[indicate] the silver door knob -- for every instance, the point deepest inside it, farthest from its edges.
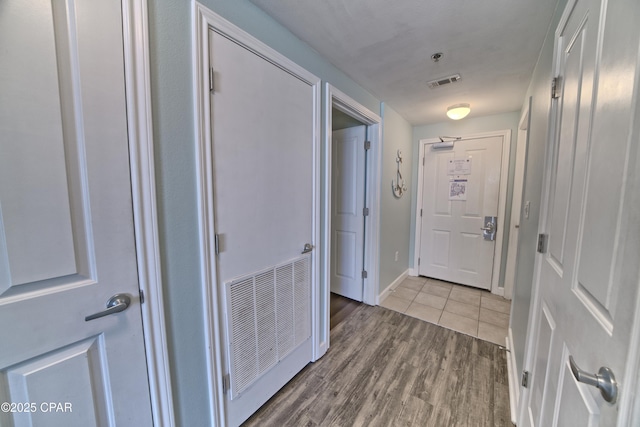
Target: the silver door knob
(604, 380)
(308, 247)
(116, 304)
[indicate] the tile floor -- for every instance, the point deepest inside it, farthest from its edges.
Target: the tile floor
(464, 309)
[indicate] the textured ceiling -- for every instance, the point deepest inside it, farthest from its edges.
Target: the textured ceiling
(386, 47)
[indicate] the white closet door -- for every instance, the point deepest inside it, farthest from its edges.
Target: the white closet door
(347, 218)
(263, 157)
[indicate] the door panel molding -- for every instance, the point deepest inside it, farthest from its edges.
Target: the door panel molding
(502, 201)
(204, 20)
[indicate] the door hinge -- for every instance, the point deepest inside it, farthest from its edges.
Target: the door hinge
(555, 88)
(542, 242)
(217, 243)
(418, 261)
(226, 383)
(367, 145)
(141, 296)
(525, 379)
(211, 77)
(364, 274)
(365, 211)
(422, 160)
(420, 212)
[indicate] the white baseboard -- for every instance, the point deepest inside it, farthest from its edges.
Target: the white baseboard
(514, 385)
(413, 272)
(392, 286)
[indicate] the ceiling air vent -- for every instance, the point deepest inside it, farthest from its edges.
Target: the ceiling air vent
(443, 81)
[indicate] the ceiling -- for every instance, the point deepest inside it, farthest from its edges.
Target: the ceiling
(386, 47)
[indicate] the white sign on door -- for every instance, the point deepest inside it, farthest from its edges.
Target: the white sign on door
(459, 167)
(458, 189)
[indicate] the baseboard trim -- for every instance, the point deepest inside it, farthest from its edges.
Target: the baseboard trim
(514, 385)
(413, 272)
(392, 286)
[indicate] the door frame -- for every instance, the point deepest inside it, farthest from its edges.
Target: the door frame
(502, 201)
(334, 98)
(204, 19)
(520, 169)
(145, 218)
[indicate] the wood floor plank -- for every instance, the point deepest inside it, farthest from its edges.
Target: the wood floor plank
(387, 369)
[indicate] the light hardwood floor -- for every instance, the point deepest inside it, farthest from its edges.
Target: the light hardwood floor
(388, 369)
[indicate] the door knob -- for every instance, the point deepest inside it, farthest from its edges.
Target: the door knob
(308, 247)
(116, 304)
(604, 380)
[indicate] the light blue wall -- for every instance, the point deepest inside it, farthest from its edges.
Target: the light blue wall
(539, 92)
(170, 23)
(395, 214)
(468, 126)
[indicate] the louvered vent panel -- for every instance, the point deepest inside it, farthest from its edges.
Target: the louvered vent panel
(268, 316)
(243, 337)
(285, 304)
(266, 322)
(302, 298)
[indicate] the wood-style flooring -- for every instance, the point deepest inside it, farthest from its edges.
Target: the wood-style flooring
(388, 369)
(340, 308)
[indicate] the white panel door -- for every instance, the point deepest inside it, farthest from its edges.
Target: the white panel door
(452, 246)
(588, 278)
(263, 157)
(66, 227)
(347, 204)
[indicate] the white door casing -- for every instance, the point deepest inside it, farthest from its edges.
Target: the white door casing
(516, 203)
(451, 245)
(259, 197)
(67, 242)
(347, 219)
(587, 279)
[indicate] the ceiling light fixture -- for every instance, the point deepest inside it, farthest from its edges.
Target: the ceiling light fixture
(458, 111)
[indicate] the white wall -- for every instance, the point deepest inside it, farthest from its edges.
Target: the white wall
(468, 126)
(395, 213)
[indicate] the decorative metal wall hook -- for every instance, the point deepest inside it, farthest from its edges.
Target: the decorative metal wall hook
(399, 186)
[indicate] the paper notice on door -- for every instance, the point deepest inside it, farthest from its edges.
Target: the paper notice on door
(458, 189)
(459, 167)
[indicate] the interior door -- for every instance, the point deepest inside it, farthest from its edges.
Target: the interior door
(347, 219)
(588, 278)
(263, 154)
(461, 186)
(66, 227)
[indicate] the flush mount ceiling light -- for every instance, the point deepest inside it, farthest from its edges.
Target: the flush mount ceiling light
(458, 111)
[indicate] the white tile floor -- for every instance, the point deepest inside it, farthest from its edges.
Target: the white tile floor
(464, 309)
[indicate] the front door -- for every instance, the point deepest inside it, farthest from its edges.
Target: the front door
(347, 217)
(461, 187)
(588, 279)
(264, 153)
(66, 227)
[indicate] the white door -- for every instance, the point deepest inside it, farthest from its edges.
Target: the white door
(263, 157)
(66, 228)
(588, 279)
(347, 218)
(461, 185)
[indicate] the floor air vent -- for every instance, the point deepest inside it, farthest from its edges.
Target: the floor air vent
(268, 316)
(444, 81)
